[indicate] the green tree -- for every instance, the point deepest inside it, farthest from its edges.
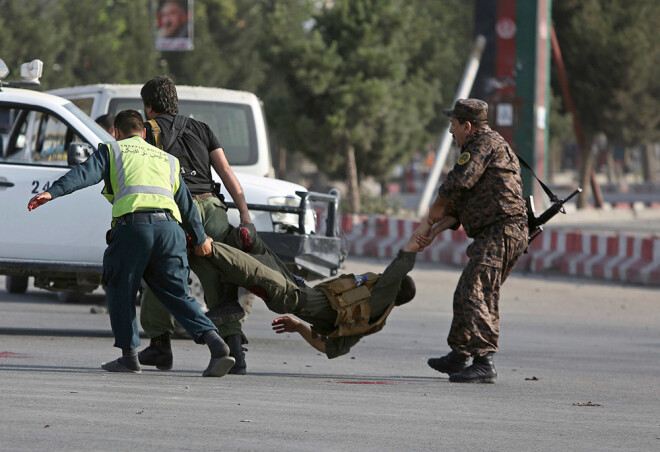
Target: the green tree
(363, 82)
(27, 32)
(611, 51)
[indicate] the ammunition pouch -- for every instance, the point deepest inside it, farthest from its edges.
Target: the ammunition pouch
(352, 304)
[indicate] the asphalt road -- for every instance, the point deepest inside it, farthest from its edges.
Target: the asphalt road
(564, 342)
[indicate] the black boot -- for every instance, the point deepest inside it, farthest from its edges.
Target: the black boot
(158, 353)
(482, 370)
(237, 351)
(450, 363)
(229, 309)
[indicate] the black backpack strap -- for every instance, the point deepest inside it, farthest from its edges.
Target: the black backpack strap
(178, 126)
(547, 191)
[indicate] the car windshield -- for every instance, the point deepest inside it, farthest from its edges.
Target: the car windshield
(233, 124)
(89, 122)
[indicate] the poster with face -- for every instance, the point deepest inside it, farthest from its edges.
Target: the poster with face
(174, 30)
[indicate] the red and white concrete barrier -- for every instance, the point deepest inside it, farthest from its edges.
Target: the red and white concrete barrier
(621, 258)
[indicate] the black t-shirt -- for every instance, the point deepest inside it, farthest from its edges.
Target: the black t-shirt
(192, 149)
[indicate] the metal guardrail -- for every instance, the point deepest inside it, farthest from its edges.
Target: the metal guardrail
(330, 222)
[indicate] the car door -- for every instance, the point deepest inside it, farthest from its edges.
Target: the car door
(69, 230)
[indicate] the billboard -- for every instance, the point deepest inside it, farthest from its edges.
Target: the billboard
(174, 26)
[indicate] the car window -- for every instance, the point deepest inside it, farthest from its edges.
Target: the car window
(84, 103)
(233, 124)
(42, 138)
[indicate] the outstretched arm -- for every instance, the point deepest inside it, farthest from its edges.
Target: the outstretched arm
(423, 236)
(438, 210)
(38, 200)
(88, 173)
(287, 324)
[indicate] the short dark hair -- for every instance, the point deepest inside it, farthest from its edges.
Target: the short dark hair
(406, 292)
(106, 121)
(129, 122)
(159, 93)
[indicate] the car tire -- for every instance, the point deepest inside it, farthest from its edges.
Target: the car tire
(16, 284)
(70, 297)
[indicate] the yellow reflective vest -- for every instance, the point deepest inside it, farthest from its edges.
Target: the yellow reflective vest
(142, 177)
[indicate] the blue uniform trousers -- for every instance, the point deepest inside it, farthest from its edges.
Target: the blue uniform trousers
(156, 252)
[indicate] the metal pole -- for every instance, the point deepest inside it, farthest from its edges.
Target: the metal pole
(463, 91)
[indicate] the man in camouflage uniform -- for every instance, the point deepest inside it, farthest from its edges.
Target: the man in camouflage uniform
(484, 192)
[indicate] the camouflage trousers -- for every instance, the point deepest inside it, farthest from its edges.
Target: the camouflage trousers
(475, 327)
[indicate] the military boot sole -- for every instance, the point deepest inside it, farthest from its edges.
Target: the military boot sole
(218, 367)
(460, 379)
(445, 370)
(237, 371)
(146, 360)
(163, 367)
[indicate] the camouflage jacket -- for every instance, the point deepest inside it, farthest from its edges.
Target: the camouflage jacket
(485, 185)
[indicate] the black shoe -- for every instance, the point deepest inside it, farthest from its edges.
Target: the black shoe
(158, 353)
(230, 309)
(482, 370)
(238, 353)
(450, 363)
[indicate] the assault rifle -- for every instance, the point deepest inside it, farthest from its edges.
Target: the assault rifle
(536, 223)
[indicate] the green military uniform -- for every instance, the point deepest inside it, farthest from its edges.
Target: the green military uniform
(266, 276)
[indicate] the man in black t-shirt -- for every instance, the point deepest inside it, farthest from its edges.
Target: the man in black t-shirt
(198, 149)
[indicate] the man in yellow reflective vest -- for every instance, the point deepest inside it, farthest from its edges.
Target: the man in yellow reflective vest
(149, 201)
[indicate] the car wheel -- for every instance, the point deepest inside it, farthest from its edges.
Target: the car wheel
(16, 284)
(70, 297)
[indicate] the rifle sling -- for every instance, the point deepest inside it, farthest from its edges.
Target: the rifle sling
(547, 191)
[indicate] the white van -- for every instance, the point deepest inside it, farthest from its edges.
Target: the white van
(236, 117)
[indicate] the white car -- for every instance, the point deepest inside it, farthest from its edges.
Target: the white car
(62, 244)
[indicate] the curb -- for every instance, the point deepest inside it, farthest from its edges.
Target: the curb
(606, 256)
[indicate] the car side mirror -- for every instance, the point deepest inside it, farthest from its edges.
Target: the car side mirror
(78, 153)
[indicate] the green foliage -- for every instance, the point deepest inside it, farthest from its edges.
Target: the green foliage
(372, 74)
(366, 73)
(611, 49)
